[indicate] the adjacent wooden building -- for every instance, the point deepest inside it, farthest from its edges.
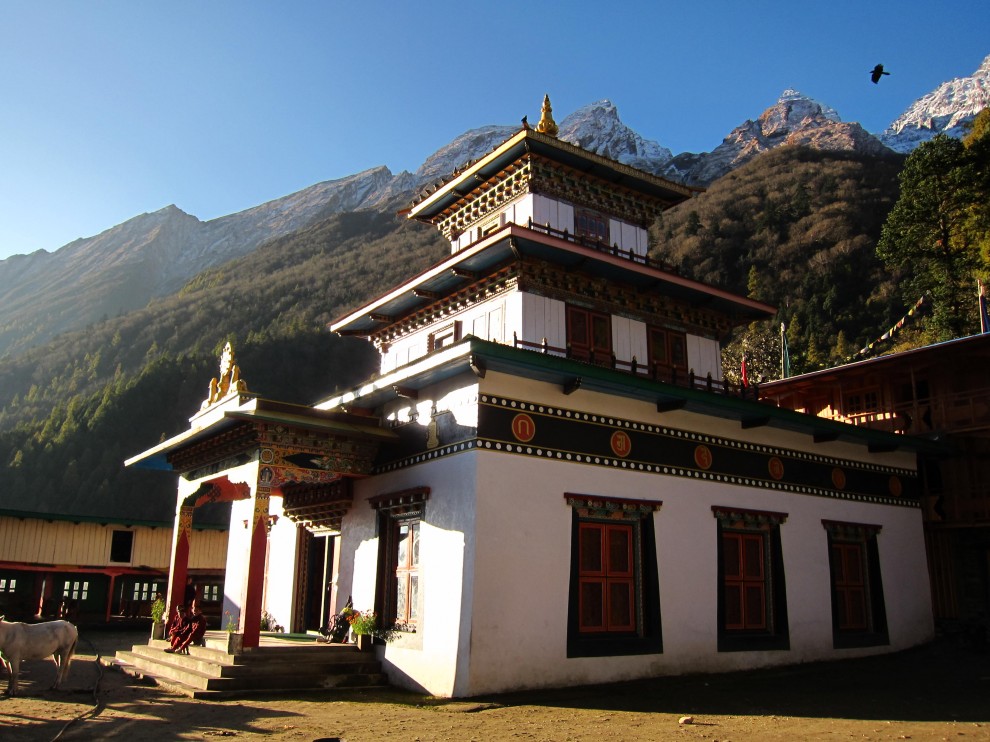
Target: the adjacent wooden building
(940, 392)
(94, 569)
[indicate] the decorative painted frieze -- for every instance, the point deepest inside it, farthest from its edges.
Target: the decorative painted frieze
(574, 436)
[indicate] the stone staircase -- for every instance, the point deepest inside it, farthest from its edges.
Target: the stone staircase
(277, 666)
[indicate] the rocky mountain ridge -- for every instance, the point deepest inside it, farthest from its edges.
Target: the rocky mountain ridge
(154, 254)
(794, 119)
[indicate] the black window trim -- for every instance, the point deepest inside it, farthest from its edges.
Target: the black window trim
(777, 634)
(877, 633)
(648, 637)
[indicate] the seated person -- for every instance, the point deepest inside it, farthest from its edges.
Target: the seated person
(177, 623)
(193, 633)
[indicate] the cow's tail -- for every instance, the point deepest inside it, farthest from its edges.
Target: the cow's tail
(67, 654)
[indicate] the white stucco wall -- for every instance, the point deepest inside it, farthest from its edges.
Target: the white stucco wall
(495, 556)
(519, 626)
(428, 659)
(238, 549)
(280, 566)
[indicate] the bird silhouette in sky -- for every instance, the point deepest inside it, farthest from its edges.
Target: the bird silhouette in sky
(525, 122)
(876, 73)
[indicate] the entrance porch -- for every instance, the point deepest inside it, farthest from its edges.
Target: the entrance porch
(281, 663)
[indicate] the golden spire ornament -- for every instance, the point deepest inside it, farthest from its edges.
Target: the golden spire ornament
(547, 125)
(229, 381)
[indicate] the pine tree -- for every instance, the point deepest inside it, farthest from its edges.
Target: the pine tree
(925, 238)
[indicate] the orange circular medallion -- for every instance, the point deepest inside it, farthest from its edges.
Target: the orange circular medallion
(838, 478)
(523, 427)
(621, 445)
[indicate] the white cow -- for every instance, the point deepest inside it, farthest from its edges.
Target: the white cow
(23, 641)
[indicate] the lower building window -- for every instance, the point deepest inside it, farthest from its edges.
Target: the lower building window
(75, 590)
(752, 601)
(406, 588)
(614, 596)
(146, 590)
(397, 595)
(859, 617)
(607, 578)
(745, 581)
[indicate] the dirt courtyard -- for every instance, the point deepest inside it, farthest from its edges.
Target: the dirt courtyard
(937, 692)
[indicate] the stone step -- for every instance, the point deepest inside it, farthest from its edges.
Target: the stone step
(225, 665)
(209, 673)
(223, 694)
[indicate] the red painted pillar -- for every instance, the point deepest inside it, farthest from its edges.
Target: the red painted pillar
(255, 587)
(44, 591)
(180, 558)
(110, 592)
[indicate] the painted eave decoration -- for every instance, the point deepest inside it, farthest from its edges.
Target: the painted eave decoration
(266, 412)
(432, 203)
(514, 241)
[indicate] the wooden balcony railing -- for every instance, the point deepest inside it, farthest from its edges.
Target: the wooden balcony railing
(668, 375)
(602, 247)
(948, 413)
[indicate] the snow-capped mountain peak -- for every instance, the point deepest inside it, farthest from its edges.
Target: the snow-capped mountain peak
(597, 127)
(470, 145)
(800, 103)
(943, 111)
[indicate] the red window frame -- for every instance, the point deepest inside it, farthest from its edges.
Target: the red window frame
(606, 578)
(667, 349)
(589, 335)
(744, 581)
(591, 224)
(849, 583)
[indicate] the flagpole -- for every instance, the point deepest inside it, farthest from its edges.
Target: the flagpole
(982, 303)
(785, 353)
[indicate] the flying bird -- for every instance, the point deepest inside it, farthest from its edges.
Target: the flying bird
(876, 73)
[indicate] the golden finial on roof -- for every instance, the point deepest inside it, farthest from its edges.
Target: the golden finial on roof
(229, 381)
(547, 125)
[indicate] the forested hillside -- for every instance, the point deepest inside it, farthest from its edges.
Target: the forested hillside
(796, 228)
(70, 413)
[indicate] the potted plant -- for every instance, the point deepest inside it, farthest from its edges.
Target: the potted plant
(157, 618)
(235, 640)
(364, 625)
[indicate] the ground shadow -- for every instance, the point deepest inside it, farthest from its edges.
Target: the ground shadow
(937, 682)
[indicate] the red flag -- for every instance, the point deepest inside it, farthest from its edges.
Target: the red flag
(745, 378)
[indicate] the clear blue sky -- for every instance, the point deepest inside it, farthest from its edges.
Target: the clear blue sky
(112, 108)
